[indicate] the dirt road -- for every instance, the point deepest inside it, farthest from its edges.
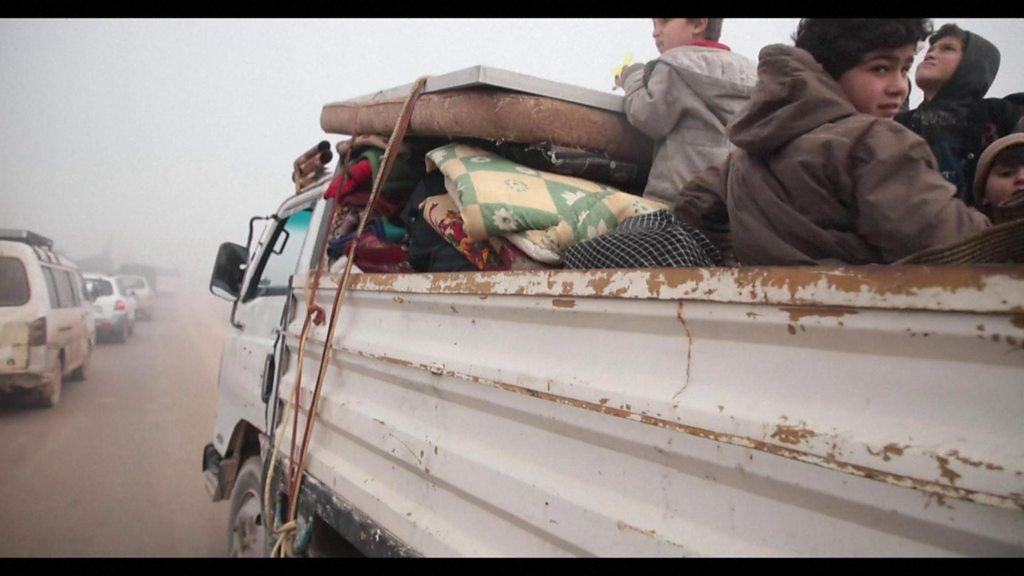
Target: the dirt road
(114, 469)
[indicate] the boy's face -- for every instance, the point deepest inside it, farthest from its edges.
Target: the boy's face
(878, 84)
(940, 62)
(1003, 181)
(671, 33)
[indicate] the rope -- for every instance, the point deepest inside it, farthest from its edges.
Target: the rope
(387, 162)
(286, 533)
(284, 548)
(314, 314)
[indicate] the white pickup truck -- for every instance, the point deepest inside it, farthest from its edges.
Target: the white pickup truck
(811, 411)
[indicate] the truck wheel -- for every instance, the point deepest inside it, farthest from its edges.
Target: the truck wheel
(49, 395)
(247, 536)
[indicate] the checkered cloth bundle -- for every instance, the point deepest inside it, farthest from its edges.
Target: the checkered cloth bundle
(653, 240)
(541, 213)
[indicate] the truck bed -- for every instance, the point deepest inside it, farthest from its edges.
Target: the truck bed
(682, 412)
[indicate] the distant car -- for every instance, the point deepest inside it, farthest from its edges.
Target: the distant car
(113, 308)
(144, 295)
(45, 318)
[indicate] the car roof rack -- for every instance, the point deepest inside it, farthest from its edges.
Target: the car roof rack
(26, 236)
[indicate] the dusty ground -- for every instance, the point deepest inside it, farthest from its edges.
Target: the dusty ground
(114, 469)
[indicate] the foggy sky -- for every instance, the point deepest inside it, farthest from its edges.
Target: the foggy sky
(165, 136)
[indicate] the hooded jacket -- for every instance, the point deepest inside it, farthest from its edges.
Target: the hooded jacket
(959, 122)
(812, 181)
(683, 100)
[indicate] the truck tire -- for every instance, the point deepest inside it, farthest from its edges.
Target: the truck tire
(247, 535)
(49, 395)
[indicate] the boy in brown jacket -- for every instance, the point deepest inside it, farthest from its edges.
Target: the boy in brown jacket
(821, 174)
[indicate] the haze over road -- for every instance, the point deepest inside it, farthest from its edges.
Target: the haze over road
(114, 469)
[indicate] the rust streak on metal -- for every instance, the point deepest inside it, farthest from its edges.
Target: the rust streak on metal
(796, 313)
(946, 472)
(599, 283)
(1017, 320)
(1011, 500)
(793, 434)
(689, 352)
(563, 303)
(888, 451)
(624, 526)
(975, 463)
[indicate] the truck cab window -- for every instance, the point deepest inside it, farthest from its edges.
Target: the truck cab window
(281, 257)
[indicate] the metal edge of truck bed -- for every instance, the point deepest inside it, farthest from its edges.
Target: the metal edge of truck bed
(987, 289)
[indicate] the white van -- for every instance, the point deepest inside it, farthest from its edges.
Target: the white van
(47, 328)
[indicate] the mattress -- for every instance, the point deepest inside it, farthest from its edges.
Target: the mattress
(495, 114)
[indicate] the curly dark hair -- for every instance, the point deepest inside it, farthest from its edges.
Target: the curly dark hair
(838, 44)
(948, 30)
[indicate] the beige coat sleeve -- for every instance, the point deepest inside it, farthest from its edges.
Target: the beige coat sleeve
(655, 99)
(903, 203)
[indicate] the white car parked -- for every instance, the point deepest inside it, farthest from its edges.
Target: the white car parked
(113, 306)
(46, 322)
(144, 295)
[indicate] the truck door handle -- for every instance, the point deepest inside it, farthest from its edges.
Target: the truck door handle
(269, 373)
(63, 328)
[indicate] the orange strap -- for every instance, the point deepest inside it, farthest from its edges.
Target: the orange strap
(315, 314)
(397, 135)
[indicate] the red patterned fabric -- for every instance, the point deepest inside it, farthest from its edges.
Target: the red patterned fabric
(375, 255)
(360, 176)
(440, 212)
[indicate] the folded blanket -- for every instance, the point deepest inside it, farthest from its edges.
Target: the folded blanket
(497, 197)
(442, 215)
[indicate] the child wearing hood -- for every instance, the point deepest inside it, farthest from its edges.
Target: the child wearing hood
(820, 173)
(684, 99)
(1017, 100)
(999, 180)
(955, 118)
